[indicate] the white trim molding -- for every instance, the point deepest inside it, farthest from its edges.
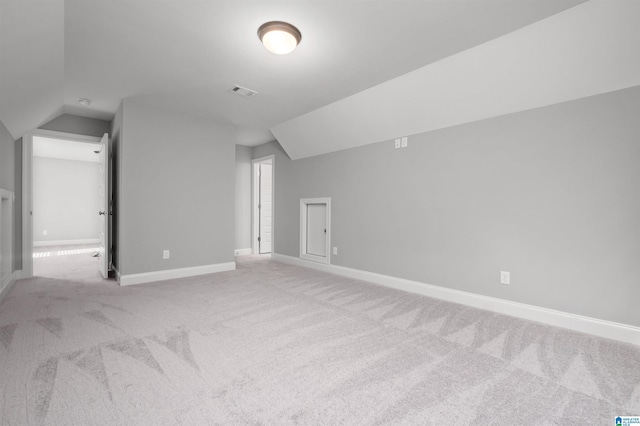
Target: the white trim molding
(27, 188)
(65, 242)
(169, 274)
(608, 329)
(242, 252)
(304, 205)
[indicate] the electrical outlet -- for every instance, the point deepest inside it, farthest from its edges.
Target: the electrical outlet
(335, 251)
(397, 143)
(45, 232)
(165, 254)
(404, 142)
(505, 277)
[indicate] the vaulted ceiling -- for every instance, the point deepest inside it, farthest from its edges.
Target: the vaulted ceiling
(187, 55)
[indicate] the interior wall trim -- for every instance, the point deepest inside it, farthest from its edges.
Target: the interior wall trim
(597, 327)
(169, 274)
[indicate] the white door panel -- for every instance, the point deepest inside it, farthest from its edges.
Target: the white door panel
(103, 205)
(316, 229)
(266, 194)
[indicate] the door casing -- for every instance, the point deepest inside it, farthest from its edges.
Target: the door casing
(27, 189)
(304, 203)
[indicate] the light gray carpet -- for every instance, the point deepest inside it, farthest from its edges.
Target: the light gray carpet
(276, 344)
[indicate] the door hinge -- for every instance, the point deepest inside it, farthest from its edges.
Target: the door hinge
(258, 239)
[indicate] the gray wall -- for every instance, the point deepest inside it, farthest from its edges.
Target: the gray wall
(550, 195)
(65, 199)
(7, 159)
(8, 181)
(243, 197)
(80, 125)
(176, 190)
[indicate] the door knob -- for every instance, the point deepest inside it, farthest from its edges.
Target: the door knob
(101, 213)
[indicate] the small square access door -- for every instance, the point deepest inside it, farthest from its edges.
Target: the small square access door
(315, 229)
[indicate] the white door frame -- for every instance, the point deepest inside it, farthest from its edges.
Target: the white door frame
(255, 198)
(27, 189)
(304, 202)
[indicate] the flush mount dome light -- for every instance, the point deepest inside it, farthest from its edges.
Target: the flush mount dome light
(84, 101)
(279, 37)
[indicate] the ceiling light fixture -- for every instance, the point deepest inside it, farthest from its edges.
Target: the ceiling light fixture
(84, 101)
(279, 37)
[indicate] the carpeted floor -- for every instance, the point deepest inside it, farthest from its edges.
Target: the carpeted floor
(73, 262)
(276, 344)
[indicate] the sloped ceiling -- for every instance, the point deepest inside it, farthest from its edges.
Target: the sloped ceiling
(589, 49)
(31, 63)
(187, 55)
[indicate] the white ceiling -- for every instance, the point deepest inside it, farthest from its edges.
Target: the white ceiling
(589, 49)
(65, 149)
(188, 54)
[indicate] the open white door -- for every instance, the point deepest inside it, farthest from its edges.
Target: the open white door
(104, 208)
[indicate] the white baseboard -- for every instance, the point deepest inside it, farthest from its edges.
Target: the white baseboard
(8, 282)
(65, 242)
(170, 274)
(610, 330)
(241, 252)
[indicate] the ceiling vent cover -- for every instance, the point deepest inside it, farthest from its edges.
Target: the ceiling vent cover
(244, 92)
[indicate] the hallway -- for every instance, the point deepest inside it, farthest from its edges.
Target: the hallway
(76, 262)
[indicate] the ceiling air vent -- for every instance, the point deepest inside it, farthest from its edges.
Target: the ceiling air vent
(244, 92)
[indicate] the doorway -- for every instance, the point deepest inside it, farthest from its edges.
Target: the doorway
(315, 229)
(263, 195)
(63, 193)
